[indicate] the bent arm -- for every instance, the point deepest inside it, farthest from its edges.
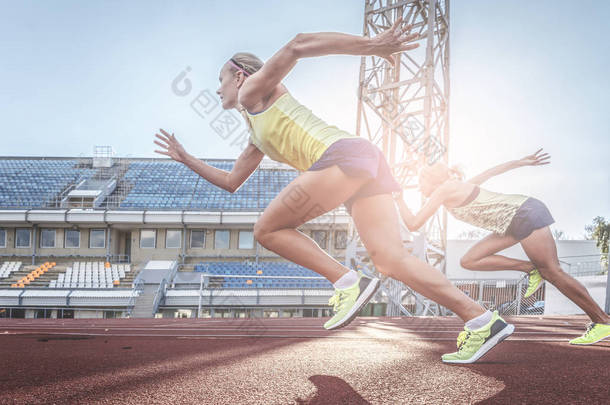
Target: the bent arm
(244, 166)
(261, 83)
(301, 46)
(415, 221)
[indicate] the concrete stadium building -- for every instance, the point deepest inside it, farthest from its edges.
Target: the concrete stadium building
(115, 237)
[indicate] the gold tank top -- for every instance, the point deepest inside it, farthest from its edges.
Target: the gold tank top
(489, 210)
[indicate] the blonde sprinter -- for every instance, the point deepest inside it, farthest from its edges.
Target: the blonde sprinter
(336, 168)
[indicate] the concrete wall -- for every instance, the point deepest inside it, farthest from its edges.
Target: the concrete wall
(160, 252)
(59, 248)
(457, 248)
(557, 304)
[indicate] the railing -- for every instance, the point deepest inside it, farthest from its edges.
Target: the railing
(6, 312)
(585, 265)
(119, 259)
(207, 276)
(138, 288)
(159, 296)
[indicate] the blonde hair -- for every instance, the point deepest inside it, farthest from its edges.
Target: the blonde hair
(248, 61)
(251, 64)
(439, 172)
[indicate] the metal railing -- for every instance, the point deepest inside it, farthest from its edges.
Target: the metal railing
(585, 265)
(138, 288)
(159, 296)
(7, 312)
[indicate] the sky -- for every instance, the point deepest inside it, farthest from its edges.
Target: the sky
(524, 76)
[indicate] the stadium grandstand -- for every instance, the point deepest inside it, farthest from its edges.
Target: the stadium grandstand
(115, 237)
(108, 237)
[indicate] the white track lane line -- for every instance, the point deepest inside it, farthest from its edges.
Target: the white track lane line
(265, 330)
(236, 336)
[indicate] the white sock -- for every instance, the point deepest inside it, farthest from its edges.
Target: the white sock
(346, 280)
(479, 321)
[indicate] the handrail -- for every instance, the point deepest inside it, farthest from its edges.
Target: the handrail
(138, 287)
(159, 295)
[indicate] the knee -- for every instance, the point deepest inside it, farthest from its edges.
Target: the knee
(552, 273)
(467, 262)
(392, 264)
(260, 233)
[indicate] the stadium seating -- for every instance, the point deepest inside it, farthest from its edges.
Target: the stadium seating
(152, 185)
(171, 185)
(33, 275)
(260, 273)
(9, 267)
(34, 183)
(91, 275)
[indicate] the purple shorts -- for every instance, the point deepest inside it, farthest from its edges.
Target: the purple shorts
(358, 157)
(532, 215)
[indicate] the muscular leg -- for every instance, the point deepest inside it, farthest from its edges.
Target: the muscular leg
(377, 223)
(481, 256)
(306, 197)
(541, 249)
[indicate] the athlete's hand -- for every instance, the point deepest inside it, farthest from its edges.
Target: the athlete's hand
(171, 147)
(535, 159)
(393, 40)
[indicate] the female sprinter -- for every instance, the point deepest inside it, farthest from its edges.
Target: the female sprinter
(337, 168)
(512, 218)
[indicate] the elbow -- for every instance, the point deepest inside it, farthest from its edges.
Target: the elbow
(414, 227)
(230, 185)
(296, 45)
(231, 188)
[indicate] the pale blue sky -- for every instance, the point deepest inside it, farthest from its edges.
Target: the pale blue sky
(524, 75)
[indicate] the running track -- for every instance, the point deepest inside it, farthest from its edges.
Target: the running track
(293, 361)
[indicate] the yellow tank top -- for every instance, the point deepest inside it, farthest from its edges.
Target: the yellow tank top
(290, 133)
(489, 210)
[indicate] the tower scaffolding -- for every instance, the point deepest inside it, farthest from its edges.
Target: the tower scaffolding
(405, 111)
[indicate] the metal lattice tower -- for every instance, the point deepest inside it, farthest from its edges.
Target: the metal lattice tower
(405, 109)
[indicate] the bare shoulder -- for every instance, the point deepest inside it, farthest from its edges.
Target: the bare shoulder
(456, 192)
(256, 105)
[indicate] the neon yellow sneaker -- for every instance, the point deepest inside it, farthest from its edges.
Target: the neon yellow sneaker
(347, 302)
(595, 332)
(473, 344)
(534, 282)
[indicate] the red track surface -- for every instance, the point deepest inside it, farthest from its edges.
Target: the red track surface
(283, 361)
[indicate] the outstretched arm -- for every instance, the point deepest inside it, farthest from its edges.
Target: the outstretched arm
(416, 221)
(245, 165)
(261, 83)
(535, 159)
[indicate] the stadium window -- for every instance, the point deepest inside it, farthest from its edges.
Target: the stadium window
(47, 238)
(246, 240)
(72, 238)
(2, 238)
(197, 238)
(320, 238)
(340, 239)
(148, 238)
(221, 239)
(173, 238)
(22, 237)
(97, 238)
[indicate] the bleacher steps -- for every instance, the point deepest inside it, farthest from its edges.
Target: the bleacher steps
(143, 307)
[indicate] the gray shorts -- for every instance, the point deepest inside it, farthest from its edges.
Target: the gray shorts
(359, 157)
(532, 215)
